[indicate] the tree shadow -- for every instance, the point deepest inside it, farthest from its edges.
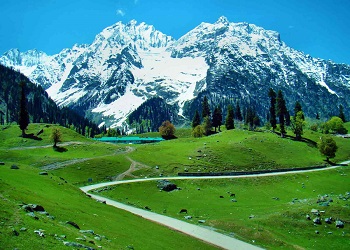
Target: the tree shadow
(33, 137)
(60, 149)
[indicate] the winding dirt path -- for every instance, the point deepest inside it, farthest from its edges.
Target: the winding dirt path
(196, 231)
(58, 165)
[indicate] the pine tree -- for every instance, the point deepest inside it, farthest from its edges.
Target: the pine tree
(196, 120)
(298, 108)
(238, 114)
(281, 112)
(273, 121)
(217, 117)
(23, 116)
(229, 122)
(341, 113)
(205, 108)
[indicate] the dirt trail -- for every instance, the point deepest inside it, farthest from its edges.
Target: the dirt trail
(133, 167)
(58, 165)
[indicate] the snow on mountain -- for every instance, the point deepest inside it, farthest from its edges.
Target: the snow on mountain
(127, 64)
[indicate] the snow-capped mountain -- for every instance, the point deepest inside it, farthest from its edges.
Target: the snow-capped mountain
(129, 63)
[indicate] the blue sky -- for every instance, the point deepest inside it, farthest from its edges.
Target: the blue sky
(320, 28)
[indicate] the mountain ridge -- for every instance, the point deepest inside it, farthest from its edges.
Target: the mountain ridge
(127, 64)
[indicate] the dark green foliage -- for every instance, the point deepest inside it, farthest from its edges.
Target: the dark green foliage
(207, 126)
(229, 122)
(40, 107)
(150, 115)
(298, 124)
(196, 120)
(217, 117)
(251, 118)
(205, 108)
(281, 112)
(327, 146)
(273, 121)
(341, 113)
(238, 114)
(298, 108)
(23, 116)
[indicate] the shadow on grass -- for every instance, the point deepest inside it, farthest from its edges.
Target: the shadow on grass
(33, 137)
(59, 149)
(309, 142)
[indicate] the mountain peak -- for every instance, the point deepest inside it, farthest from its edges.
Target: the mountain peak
(222, 20)
(132, 22)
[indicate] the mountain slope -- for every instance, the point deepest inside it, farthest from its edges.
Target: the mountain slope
(128, 64)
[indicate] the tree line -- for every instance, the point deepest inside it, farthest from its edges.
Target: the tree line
(23, 102)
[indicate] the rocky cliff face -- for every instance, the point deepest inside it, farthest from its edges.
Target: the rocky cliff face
(128, 64)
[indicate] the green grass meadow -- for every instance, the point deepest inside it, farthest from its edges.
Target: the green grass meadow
(277, 206)
(276, 223)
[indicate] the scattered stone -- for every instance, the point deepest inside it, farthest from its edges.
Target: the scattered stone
(32, 214)
(43, 173)
(73, 224)
(339, 224)
(33, 208)
(98, 238)
(14, 232)
(80, 239)
(330, 232)
(201, 221)
(198, 189)
(166, 185)
(77, 245)
(315, 212)
(317, 232)
(23, 229)
(276, 198)
(147, 208)
(233, 200)
(188, 217)
(328, 220)
(308, 217)
(39, 232)
(87, 232)
(14, 167)
(157, 167)
(251, 216)
(2, 163)
(317, 221)
(221, 196)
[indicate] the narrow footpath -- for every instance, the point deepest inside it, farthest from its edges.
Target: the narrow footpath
(199, 232)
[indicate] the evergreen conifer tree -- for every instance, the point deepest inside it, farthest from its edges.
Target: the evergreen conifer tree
(273, 121)
(23, 116)
(238, 114)
(229, 122)
(217, 117)
(196, 120)
(205, 108)
(281, 112)
(341, 113)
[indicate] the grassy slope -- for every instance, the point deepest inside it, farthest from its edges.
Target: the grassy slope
(57, 194)
(276, 223)
(233, 150)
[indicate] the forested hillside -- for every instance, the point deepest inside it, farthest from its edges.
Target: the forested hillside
(40, 106)
(150, 115)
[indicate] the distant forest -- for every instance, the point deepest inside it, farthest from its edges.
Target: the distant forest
(40, 106)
